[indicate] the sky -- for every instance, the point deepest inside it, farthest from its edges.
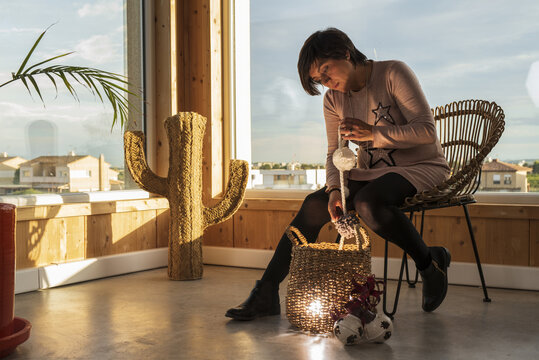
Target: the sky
(480, 49)
(95, 31)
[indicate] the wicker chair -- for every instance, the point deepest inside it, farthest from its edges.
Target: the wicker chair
(468, 130)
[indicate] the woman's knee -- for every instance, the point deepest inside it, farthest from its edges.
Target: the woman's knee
(371, 210)
(365, 206)
(317, 199)
(314, 210)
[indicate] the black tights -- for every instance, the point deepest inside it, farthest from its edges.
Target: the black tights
(377, 202)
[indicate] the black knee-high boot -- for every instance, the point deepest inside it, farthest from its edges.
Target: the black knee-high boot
(263, 301)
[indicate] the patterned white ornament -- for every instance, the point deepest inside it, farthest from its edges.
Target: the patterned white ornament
(380, 329)
(349, 330)
(344, 159)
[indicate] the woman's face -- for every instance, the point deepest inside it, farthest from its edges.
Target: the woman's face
(335, 74)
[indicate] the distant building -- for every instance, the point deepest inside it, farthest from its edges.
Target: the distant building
(293, 166)
(8, 167)
(497, 175)
(311, 179)
(71, 173)
(8, 173)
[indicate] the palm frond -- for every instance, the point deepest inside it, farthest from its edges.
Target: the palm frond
(98, 82)
(114, 86)
(21, 68)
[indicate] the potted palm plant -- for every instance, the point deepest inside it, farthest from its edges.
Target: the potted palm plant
(107, 87)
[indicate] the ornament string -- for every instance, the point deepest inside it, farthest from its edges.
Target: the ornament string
(341, 176)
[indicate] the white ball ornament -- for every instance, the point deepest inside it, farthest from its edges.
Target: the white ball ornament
(349, 330)
(380, 329)
(344, 159)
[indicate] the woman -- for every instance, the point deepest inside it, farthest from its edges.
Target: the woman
(380, 106)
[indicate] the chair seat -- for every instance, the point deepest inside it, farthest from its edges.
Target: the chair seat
(429, 205)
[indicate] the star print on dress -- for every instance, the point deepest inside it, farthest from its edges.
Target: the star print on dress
(383, 113)
(376, 155)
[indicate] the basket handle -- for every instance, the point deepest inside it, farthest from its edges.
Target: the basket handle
(362, 239)
(291, 231)
(365, 237)
(364, 243)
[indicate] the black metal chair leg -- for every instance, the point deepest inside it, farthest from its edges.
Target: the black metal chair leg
(384, 300)
(478, 262)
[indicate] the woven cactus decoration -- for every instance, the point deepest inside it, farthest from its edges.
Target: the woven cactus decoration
(183, 189)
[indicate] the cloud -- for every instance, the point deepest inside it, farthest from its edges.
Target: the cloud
(485, 65)
(299, 147)
(107, 8)
(20, 30)
(532, 83)
(98, 49)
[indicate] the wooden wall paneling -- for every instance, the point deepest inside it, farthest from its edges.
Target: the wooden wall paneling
(260, 229)
(452, 233)
(271, 204)
(144, 224)
(82, 209)
(55, 235)
(507, 242)
(52, 211)
(534, 243)
(25, 243)
(75, 233)
(378, 246)
(491, 211)
(100, 235)
(221, 234)
(499, 241)
(163, 221)
(43, 242)
(121, 233)
(32, 244)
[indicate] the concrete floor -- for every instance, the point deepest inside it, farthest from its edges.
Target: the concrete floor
(146, 316)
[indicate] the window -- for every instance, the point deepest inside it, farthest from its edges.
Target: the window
(507, 179)
(287, 125)
(66, 134)
(496, 179)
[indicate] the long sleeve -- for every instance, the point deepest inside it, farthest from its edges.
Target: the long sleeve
(406, 91)
(332, 120)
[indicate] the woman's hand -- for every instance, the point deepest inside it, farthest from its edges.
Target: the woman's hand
(355, 129)
(335, 205)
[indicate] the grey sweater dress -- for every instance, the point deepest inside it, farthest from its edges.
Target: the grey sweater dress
(404, 135)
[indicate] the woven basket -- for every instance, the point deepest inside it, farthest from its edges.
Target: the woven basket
(320, 275)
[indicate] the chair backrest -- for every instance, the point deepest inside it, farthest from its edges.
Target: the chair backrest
(468, 130)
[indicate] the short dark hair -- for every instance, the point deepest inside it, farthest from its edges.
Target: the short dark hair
(325, 44)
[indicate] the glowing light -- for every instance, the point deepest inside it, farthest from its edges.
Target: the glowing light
(315, 308)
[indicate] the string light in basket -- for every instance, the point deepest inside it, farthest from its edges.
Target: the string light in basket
(315, 308)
